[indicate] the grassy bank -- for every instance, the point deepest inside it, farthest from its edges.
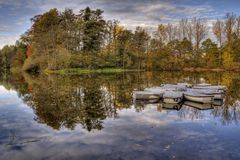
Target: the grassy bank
(211, 70)
(77, 71)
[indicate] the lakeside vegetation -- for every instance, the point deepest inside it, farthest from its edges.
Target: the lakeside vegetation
(84, 42)
(77, 71)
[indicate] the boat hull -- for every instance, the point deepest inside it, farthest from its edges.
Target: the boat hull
(171, 106)
(200, 99)
(172, 100)
(217, 95)
(154, 91)
(218, 88)
(145, 96)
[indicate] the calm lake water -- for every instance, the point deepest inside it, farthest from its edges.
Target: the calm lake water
(94, 117)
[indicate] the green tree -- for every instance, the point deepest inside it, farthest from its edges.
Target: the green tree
(19, 57)
(124, 40)
(93, 30)
(45, 37)
(140, 46)
(212, 55)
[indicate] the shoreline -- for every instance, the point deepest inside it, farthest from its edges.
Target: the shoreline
(79, 71)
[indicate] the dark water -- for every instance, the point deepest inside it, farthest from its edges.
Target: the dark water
(93, 117)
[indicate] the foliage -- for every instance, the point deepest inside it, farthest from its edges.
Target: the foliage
(227, 59)
(59, 40)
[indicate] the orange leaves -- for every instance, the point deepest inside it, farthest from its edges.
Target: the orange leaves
(29, 51)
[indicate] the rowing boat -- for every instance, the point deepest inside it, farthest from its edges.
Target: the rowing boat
(145, 95)
(172, 97)
(197, 97)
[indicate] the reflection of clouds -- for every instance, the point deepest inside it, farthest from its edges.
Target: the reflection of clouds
(7, 102)
(151, 116)
(132, 136)
(137, 133)
(2, 90)
(5, 92)
(8, 97)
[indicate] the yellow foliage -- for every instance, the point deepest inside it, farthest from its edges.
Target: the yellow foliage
(119, 29)
(227, 80)
(59, 60)
(149, 63)
(227, 60)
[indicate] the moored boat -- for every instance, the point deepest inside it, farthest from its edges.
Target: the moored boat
(156, 90)
(145, 95)
(219, 88)
(215, 93)
(187, 85)
(202, 85)
(172, 97)
(197, 97)
(173, 87)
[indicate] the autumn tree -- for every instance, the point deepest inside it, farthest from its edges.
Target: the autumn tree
(69, 28)
(19, 57)
(124, 41)
(6, 56)
(218, 31)
(228, 61)
(200, 31)
(230, 21)
(140, 44)
(64, 39)
(212, 55)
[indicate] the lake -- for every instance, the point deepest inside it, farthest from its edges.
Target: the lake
(93, 116)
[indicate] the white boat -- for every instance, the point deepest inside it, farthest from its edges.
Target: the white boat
(187, 85)
(173, 87)
(219, 88)
(202, 85)
(172, 97)
(197, 97)
(215, 93)
(156, 90)
(200, 106)
(145, 95)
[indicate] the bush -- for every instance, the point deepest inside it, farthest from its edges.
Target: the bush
(59, 60)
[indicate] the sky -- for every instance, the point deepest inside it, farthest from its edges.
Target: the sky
(15, 14)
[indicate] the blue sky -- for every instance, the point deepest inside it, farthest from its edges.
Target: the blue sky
(15, 14)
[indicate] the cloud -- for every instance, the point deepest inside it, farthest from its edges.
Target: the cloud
(8, 40)
(15, 14)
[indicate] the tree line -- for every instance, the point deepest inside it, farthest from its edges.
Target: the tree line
(59, 40)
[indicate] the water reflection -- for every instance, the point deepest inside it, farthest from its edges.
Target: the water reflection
(65, 101)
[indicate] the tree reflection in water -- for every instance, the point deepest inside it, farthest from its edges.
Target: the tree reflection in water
(65, 101)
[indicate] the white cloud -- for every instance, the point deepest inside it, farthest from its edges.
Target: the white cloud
(8, 40)
(129, 13)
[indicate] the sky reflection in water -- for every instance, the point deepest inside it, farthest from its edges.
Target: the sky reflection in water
(51, 118)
